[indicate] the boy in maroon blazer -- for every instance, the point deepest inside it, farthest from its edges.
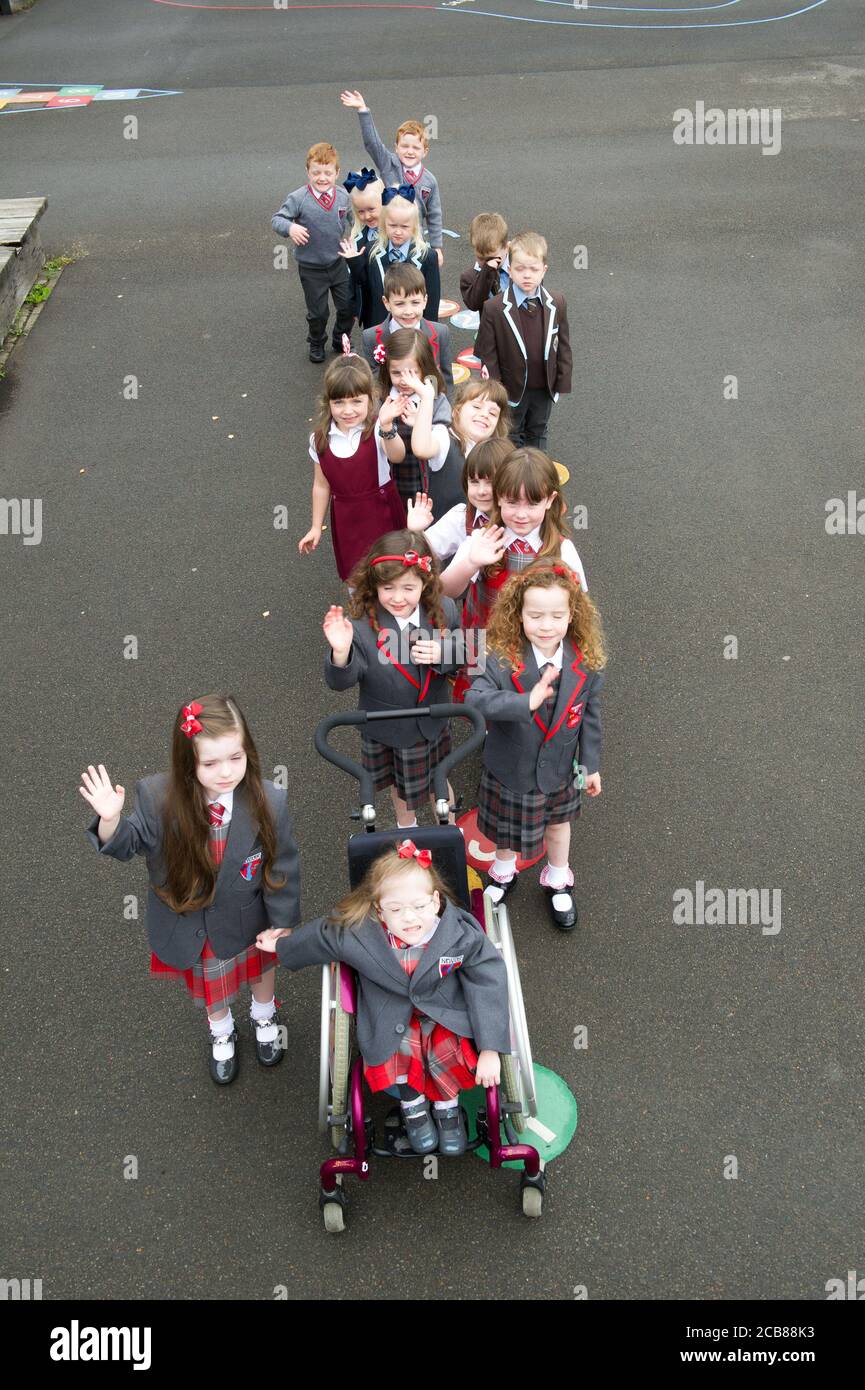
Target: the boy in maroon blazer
(523, 342)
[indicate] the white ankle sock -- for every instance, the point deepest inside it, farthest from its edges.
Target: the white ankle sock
(556, 878)
(266, 1031)
(412, 825)
(445, 1104)
(503, 869)
(220, 1033)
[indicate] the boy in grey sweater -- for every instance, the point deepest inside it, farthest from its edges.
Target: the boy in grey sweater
(314, 219)
(403, 164)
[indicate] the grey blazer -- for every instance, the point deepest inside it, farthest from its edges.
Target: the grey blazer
(241, 908)
(379, 663)
(521, 751)
(471, 998)
(439, 341)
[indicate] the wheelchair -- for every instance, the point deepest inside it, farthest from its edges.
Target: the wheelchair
(341, 1110)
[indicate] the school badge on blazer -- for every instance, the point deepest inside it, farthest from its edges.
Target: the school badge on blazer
(250, 866)
(448, 964)
(575, 714)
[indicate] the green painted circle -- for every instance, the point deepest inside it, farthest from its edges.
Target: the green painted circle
(557, 1113)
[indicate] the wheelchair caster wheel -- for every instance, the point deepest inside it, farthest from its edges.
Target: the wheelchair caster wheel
(533, 1202)
(532, 1195)
(332, 1206)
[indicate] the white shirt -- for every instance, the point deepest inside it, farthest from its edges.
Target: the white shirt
(567, 552)
(226, 800)
(447, 534)
(441, 438)
(413, 620)
(345, 444)
(556, 657)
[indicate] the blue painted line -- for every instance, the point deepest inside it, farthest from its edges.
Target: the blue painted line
(645, 9)
(601, 24)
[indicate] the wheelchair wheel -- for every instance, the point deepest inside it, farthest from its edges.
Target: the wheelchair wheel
(533, 1201)
(334, 1056)
(518, 1074)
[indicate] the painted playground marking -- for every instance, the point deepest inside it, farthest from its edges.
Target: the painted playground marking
(466, 7)
(56, 96)
(648, 10)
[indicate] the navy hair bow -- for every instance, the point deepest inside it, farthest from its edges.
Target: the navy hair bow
(405, 190)
(360, 181)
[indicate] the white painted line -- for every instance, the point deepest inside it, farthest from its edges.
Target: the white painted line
(540, 1130)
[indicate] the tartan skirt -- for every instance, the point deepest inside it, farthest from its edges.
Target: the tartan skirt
(411, 476)
(518, 820)
(410, 770)
(438, 1063)
(214, 983)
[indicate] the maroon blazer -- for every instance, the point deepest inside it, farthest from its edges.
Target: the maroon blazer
(477, 286)
(500, 346)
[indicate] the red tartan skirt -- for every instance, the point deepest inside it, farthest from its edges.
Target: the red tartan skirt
(214, 983)
(438, 1063)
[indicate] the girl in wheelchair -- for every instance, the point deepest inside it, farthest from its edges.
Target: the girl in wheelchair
(431, 990)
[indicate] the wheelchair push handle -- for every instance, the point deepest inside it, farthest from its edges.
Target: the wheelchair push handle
(364, 717)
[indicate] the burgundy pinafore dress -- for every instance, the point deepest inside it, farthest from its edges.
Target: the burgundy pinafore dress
(360, 509)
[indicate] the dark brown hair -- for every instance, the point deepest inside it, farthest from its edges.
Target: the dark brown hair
(505, 630)
(482, 462)
(403, 278)
(190, 874)
(405, 343)
(366, 578)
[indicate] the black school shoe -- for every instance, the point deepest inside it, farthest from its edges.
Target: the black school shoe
(420, 1130)
(497, 892)
(451, 1126)
(563, 909)
(269, 1054)
(223, 1073)
(316, 352)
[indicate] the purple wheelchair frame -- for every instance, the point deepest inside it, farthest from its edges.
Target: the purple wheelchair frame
(359, 1165)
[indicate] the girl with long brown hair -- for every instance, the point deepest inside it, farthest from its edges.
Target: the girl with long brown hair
(400, 916)
(398, 644)
(352, 464)
(539, 693)
(527, 523)
(222, 862)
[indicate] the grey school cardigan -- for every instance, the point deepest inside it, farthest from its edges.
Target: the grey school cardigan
(326, 229)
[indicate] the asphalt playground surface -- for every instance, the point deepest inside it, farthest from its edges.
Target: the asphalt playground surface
(705, 520)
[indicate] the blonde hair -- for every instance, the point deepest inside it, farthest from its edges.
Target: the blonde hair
(357, 905)
(374, 186)
(530, 244)
(416, 240)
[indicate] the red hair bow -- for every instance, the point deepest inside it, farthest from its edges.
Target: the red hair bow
(409, 559)
(190, 725)
(409, 850)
